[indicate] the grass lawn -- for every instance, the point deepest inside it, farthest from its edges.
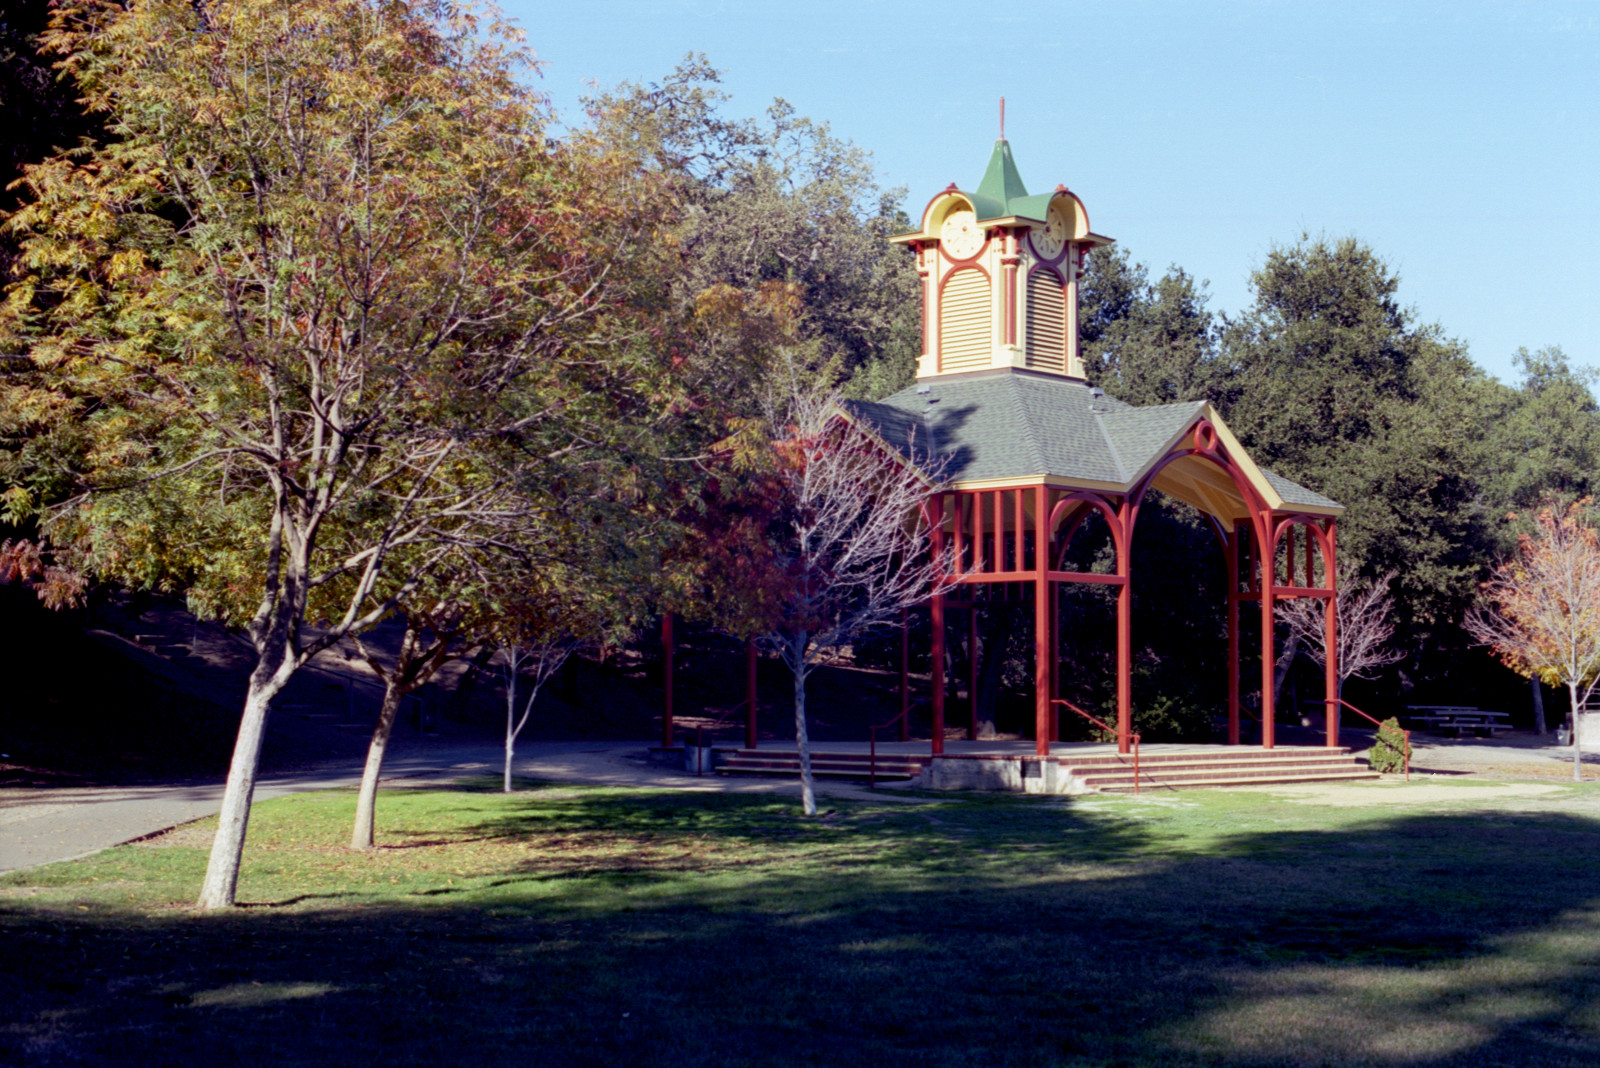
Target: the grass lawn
(1453, 922)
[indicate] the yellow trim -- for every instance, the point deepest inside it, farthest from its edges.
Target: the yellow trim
(1053, 481)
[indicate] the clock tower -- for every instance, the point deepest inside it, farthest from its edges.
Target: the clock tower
(999, 272)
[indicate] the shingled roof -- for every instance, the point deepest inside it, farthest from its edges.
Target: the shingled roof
(1010, 424)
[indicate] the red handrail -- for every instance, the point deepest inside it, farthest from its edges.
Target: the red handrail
(872, 759)
(1375, 723)
(1109, 730)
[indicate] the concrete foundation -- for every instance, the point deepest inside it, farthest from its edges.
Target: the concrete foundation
(1016, 774)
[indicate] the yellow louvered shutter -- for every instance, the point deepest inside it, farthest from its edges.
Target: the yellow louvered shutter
(965, 342)
(1047, 323)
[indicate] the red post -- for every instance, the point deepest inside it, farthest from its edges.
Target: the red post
(937, 612)
(1041, 622)
(1125, 629)
(1016, 525)
(972, 671)
(1269, 579)
(905, 674)
(1232, 552)
(750, 702)
(1055, 663)
(666, 679)
(978, 563)
(999, 554)
(1330, 624)
(938, 673)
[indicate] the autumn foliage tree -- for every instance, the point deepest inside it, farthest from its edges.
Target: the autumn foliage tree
(1540, 610)
(328, 254)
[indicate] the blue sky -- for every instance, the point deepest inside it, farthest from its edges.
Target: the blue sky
(1460, 140)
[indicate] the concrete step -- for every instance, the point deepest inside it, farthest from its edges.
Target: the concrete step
(825, 765)
(1184, 783)
(1223, 755)
(1195, 767)
(885, 773)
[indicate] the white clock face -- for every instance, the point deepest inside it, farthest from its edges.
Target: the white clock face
(961, 236)
(1050, 239)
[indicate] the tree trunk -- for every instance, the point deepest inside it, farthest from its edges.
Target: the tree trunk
(367, 799)
(227, 848)
(511, 737)
(1577, 747)
(1538, 705)
(802, 739)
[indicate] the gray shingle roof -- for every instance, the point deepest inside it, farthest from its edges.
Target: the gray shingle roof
(1010, 423)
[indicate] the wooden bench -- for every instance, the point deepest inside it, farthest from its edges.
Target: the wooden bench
(1458, 718)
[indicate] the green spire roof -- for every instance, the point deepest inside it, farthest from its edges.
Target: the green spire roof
(1001, 181)
(1002, 194)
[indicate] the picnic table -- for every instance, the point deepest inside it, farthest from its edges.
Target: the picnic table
(1458, 718)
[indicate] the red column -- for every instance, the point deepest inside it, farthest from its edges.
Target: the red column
(1269, 579)
(1041, 622)
(750, 702)
(937, 612)
(938, 673)
(1055, 663)
(1125, 631)
(1330, 624)
(1232, 551)
(666, 679)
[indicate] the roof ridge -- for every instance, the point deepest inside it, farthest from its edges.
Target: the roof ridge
(1020, 412)
(1116, 454)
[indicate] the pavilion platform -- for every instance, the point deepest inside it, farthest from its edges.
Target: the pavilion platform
(1070, 768)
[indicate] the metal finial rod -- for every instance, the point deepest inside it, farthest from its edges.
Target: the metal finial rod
(1002, 118)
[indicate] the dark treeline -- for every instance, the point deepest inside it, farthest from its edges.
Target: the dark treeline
(1327, 378)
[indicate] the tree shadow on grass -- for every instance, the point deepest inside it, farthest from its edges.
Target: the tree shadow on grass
(1054, 937)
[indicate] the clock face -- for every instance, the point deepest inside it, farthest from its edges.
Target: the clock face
(1051, 238)
(961, 236)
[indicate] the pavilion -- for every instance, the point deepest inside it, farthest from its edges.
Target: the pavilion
(1003, 417)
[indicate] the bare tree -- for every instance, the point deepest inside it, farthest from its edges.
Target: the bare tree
(848, 537)
(1540, 610)
(537, 658)
(1364, 626)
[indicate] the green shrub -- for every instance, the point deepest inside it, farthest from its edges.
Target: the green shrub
(1390, 750)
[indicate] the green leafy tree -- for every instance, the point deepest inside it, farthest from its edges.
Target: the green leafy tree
(1148, 343)
(1337, 387)
(779, 201)
(329, 256)
(1547, 433)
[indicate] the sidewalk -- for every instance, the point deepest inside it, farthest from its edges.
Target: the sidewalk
(45, 825)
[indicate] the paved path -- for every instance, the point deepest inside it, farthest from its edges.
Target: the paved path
(45, 825)
(41, 826)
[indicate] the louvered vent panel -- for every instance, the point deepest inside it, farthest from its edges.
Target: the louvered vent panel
(1047, 323)
(965, 342)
